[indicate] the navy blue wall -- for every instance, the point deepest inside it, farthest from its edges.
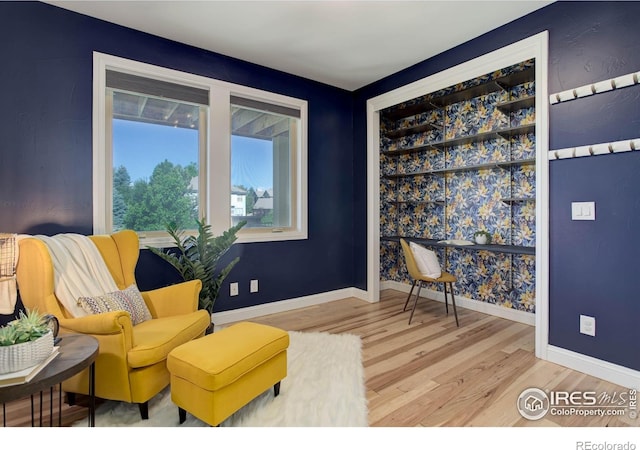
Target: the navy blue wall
(593, 268)
(46, 155)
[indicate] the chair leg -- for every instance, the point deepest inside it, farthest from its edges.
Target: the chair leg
(453, 300)
(446, 303)
(71, 398)
(409, 296)
(182, 415)
(276, 389)
(144, 410)
(416, 302)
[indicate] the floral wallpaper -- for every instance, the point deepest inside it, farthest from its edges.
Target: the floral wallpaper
(421, 198)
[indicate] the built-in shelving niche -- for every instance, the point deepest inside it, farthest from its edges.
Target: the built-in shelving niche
(456, 161)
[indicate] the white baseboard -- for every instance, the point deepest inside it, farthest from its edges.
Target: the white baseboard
(607, 371)
(250, 312)
(465, 302)
(359, 293)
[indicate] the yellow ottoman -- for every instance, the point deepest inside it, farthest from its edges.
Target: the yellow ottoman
(216, 375)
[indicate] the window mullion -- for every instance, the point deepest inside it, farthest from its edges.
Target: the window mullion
(219, 161)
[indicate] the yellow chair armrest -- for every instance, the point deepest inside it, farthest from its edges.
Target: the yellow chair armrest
(174, 300)
(113, 322)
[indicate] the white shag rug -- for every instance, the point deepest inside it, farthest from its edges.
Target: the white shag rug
(324, 387)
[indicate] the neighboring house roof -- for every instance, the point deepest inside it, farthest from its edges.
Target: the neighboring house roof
(263, 203)
(264, 193)
(238, 190)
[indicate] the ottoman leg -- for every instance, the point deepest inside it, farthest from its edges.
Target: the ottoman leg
(182, 414)
(276, 389)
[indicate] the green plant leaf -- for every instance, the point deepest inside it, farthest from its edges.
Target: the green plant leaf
(27, 327)
(196, 257)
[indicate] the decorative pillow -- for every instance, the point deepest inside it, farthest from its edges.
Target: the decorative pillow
(129, 300)
(426, 260)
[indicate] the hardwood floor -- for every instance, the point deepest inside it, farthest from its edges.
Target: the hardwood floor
(431, 373)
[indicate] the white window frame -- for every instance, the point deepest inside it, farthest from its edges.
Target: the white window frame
(216, 165)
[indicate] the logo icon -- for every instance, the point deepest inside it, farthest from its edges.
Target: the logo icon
(533, 404)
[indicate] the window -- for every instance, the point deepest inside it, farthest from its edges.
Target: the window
(156, 142)
(263, 150)
(171, 147)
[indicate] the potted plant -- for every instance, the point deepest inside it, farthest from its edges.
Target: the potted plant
(25, 341)
(482, 237)
(196, 257)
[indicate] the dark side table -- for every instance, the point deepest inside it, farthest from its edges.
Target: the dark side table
(77, 352)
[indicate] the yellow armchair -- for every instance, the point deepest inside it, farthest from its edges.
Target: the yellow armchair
(131, 364)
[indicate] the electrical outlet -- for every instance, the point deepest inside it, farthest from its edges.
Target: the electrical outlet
(233, 289)
(254, 286)
(587, 325)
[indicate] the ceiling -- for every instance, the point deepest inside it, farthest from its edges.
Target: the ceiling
(347, 44)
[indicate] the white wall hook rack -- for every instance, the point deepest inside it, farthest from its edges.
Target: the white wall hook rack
(630, 79)
(607, 148)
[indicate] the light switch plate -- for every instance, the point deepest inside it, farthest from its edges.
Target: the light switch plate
(583, 211)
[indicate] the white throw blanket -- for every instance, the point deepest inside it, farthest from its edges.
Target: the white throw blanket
(78, 270)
